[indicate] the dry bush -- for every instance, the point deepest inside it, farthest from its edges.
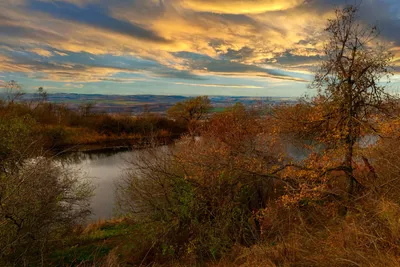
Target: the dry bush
(39, 199)
(304, 228)
(38, 202)
(381, 173)
(204, 192)
(112, 259)
(312, 233)
(368, 237)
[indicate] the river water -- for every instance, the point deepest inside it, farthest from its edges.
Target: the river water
(103, 170)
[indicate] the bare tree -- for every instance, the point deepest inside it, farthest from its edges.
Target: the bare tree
(12, 92)
(40, 98)
(42, 95)
(86, 108)
(350, 83)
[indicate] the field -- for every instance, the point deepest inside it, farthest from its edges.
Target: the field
(135, 104)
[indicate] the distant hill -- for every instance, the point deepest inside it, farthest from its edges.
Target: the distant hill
(154, 103)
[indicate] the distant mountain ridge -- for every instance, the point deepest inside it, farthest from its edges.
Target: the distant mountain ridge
(153, 103)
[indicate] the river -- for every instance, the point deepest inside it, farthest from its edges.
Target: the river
(103, 169)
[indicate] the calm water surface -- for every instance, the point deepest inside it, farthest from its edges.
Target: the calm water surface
(103, 170)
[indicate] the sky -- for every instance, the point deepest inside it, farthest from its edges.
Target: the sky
(176, 47)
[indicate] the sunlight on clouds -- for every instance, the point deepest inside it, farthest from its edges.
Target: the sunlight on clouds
(255, 74)
(240, 6)
(89, 74)
(280, 41)
(42, 52)
(61, 53)
(222, 85)
(72, 85)
(190, 31)
(8, 65)
(123, 80)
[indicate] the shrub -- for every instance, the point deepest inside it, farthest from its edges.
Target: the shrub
(55, 136)
(206, 192)
(38, 198)
(38, 202)
(199, 220)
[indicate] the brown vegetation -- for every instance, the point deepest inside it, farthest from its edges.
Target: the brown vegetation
(58, 127)
(237, 195)
(39, 200)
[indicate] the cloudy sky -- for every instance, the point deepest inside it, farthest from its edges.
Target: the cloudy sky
(186, 47)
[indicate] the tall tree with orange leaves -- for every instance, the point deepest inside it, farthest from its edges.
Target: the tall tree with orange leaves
(350, 84)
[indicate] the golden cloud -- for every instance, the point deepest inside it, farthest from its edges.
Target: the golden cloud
(222, 85)
(214, 33)
(42, 52)
(73, 85)
(61, 53)
(240, 6)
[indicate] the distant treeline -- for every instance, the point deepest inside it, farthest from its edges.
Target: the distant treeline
(59, 126)
(136, 104)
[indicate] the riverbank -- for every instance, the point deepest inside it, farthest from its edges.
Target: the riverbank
(115, 242)
(104, 170)
(114, 145)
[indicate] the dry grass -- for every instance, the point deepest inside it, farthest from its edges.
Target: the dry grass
(368, 236)
(111, 260)
(92, 227)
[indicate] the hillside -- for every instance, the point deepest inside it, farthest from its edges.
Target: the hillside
(154, 103)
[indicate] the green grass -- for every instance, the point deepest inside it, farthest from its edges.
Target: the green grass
(124, 240)
(94, 245)
(217, 110)
(78, 254)
(109, 230)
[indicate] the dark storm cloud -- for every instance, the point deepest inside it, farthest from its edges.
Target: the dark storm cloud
(201, 63)
(384, 13)
(290, 59)
(95, 16)
(227, 19)
(241, 54)
(68, 65)
(8, 31)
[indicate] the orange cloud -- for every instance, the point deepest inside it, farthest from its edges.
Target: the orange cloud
(236, 31)
(222, 85)
(240, 6)
(73, 85)
(42, 52)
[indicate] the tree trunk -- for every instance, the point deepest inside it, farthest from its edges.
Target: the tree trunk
(349, 142)
(348, 164)
(192, 130)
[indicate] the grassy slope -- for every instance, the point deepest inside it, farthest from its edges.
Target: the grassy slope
(106, 243)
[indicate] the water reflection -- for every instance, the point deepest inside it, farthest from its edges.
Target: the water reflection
(106, 167)
(103, 169)
(297, 151)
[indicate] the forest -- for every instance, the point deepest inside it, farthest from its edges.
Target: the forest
(60, 128)
(227, 190)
